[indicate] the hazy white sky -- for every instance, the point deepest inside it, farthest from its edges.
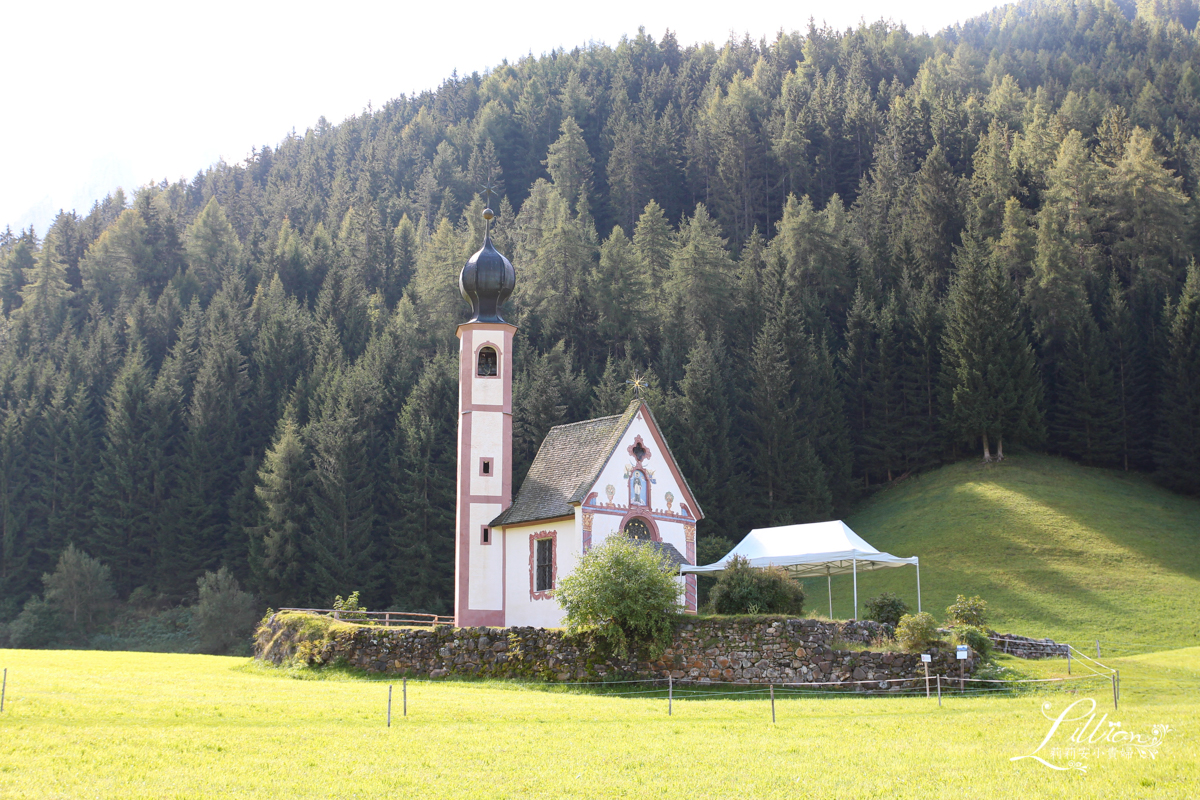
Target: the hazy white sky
(105, 94)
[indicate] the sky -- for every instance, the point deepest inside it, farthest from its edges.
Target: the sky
(125, 92)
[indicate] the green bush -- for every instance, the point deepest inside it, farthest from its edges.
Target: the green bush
(968, 612)
(743, 589)
(887, 608)
(80, 588)
(918, 631)
(224, 615)
(38, 625)
(974, 638)
(347, 608)
(624, 593)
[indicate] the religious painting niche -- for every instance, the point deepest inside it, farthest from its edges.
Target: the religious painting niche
(637, 488)
(487, 363)
(638, 529)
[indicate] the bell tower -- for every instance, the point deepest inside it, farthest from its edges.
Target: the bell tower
(484, 436)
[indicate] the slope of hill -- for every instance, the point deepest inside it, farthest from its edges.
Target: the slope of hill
(1056, 549)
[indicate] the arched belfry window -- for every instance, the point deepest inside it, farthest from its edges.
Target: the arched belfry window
(638, 529)
(487, 363)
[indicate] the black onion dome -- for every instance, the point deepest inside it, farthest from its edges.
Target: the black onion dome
(486, 281)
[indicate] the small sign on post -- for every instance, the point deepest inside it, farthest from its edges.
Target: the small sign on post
(925, 659)
(963, 651)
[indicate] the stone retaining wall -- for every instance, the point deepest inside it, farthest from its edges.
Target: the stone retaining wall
(1024, 647)
(752, 650)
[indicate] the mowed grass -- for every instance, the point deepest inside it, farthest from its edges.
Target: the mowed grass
(102, 724)
(1056, 549)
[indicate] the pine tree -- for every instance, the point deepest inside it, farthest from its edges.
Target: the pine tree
(125, 532)
(341, 543)
(213, 250)
(570, 163)
(1177, 448)
(423, 483)
(1086, 421)
(17, 580)
(991, 379)
(789, 480)
(1128, 360)
(276, 545)
(703, 444)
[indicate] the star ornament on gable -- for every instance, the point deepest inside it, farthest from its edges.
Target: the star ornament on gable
(638, 383)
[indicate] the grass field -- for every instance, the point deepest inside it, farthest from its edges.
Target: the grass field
(1056, 549)
(101, 724)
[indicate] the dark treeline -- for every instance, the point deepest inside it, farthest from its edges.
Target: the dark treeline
(840, 257)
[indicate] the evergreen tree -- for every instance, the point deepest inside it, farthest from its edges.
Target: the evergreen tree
(276, 545)
(991, 379)
(1177, 448)
(570, 163)
(213, 250)
(125, 534)
(422, 530)
(1086, 420)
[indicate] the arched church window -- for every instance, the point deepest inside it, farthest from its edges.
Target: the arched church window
(487, 363)
(638, 529)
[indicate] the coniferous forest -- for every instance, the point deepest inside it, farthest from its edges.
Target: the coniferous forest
(840, 257)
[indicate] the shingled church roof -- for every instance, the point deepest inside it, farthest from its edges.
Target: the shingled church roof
(567, 465)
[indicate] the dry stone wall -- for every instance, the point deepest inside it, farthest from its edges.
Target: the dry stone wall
(753, 650)
(1024, 647)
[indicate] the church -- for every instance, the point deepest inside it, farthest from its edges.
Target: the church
(590, 480)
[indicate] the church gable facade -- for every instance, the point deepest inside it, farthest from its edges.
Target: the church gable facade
(590, 480)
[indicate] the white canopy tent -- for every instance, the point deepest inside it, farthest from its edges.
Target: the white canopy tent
(807, 551)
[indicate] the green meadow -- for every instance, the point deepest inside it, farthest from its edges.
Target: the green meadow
(103, 724)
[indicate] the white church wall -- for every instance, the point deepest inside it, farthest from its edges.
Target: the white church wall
(485, 589)
(524, 605)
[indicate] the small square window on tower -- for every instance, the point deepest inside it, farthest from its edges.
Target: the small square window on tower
(485, 536)
(486, 468)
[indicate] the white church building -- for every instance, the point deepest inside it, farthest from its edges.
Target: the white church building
(612, 476)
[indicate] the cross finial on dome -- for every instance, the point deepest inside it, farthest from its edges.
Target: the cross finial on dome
(488, 215)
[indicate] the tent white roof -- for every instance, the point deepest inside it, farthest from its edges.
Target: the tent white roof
(818, 548)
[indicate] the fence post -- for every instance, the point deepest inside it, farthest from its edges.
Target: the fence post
(1068, 659)
(939, 690)
(670, 693)
(3, 688)
(404, 696)
(1097, 648)
(773, 703)
(1114, 683)
(389, 705)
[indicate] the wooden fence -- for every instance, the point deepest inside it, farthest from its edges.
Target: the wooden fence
(404, 619)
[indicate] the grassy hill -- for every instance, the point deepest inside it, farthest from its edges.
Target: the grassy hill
(1056, 549)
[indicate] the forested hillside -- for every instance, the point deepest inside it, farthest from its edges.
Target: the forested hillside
(840, 257)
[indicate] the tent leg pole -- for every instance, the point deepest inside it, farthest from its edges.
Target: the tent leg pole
(854, 565)
(829, 581)
(918, 587)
